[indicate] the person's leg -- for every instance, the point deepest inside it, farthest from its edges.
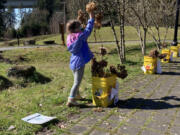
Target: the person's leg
(78, 96)
(78, 75)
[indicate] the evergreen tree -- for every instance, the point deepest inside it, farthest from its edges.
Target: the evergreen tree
(2, 11)
(47, 5)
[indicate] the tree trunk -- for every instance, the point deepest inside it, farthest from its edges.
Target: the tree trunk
(123, 33)
(61, 29)
(95, 35)
(141, 38)
(165, 36)
(116, 39)
(144, 42)
(123, 43)
(121, 24)
(155, 40)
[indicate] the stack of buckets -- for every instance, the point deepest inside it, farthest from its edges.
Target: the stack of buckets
(101, 90)
(168, 55)
(175, 50)
(150, 63)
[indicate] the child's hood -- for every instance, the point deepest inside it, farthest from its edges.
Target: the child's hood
(72, 38)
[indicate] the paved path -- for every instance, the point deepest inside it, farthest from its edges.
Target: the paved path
(54, 45)
(149, 105)
(25, 47)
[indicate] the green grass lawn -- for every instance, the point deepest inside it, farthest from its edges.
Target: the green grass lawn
(17, 102)
(104, 34)
(14, 41)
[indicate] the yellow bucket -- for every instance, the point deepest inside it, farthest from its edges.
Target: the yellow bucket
(174, 50)
(101, 90)
(150, 65)
(168, 52)
(178, 45)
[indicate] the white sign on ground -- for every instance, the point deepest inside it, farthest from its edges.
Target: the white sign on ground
(38, 119)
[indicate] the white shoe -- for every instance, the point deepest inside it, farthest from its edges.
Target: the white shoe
(71, 102)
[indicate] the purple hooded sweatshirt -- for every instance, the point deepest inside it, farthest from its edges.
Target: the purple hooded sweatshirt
(78, 47)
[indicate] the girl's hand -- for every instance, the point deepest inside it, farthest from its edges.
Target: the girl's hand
(91, 15)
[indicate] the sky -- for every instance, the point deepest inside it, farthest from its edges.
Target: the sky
(18, 16)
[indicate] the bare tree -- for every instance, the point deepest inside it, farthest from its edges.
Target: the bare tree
(115, 10)
(138, 17)
(121, 13)
(74, 5)
(162, 15)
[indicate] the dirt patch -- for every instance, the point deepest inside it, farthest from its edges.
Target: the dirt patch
(50, 42)
(15, 60)
(20, 59)
(4, 83)
(38, 78)
(45, 131)
(6, 60)
(46, 128)
(21, 71)
(28, 74)
(29, 42)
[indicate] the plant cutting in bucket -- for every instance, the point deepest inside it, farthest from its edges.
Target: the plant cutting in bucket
(155, 54)
(101, 69)
(167, 52)
(151, 62)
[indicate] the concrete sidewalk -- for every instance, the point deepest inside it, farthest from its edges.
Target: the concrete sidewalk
(149, 105)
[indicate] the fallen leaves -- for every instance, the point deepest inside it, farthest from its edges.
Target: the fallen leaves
(61, 125)
(99, 109)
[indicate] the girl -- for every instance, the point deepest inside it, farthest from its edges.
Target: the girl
(81, 54)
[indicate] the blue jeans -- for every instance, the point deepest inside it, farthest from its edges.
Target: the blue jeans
(78, 75)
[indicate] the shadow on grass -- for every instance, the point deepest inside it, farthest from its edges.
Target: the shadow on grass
(131, 63)
(53, 122)
(133, 49)
(87, 103)
(45, 128)
(129, 50)
(5, 83)
(148, 104)
(38, 78)
(114, 51)
(87, 100)
(85, 106)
